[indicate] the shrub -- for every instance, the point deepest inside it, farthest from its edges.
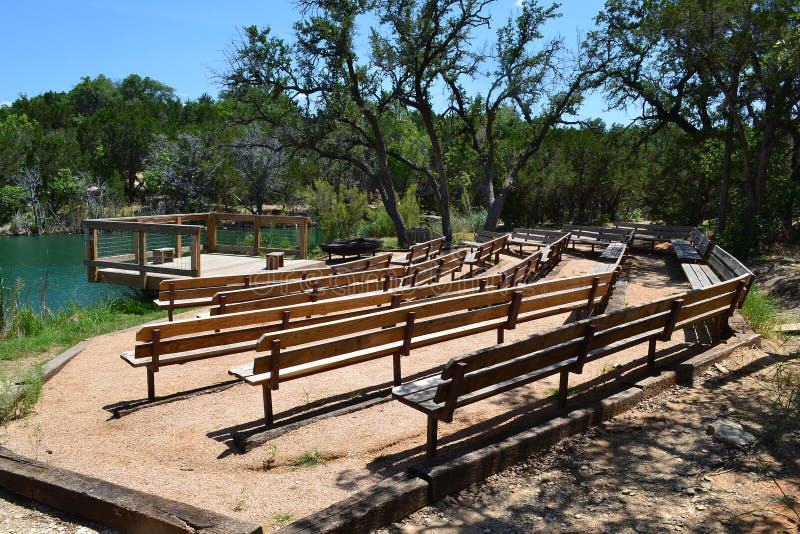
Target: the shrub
(338, 213)
(760, 311)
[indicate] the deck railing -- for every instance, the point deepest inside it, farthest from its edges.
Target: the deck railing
(173, 244)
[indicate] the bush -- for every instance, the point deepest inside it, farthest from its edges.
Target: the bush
(12, 200)
(338, 213)
(760, 311)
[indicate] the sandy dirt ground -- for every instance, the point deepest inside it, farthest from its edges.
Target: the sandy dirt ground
(181, 450)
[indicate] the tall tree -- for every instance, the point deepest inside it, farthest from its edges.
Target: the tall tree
(318, 92)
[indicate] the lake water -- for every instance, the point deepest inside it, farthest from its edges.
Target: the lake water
(59, 258)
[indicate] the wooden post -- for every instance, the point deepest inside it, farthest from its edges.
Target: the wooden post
(178, 241)
(141, 247)
(433, 424)
(303, 246)
(563, 389)
(90, 239)
(171, 308)
(211, 233)
(256, 235)
(194, 250)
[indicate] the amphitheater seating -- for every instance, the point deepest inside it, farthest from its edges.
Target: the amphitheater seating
(487, 372)
(533, 237)
(695, 249)
(596, 235)
(483, 253)
(421, 251)
(308, 350)
(654, 233)
(190, 292)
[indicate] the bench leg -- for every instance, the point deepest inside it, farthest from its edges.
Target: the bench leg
(433, 430)
(397, 368)
(501, 335)
(563, 389)
(169, 312)
(151, 384)
(716, 330)
(266, 392)
(651, 357)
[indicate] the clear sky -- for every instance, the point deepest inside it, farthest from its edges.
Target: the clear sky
(51, 44)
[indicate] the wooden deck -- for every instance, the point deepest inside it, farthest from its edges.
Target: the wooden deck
(211, 264)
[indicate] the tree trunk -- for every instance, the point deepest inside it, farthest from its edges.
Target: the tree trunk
(441, 172)
(722, 220)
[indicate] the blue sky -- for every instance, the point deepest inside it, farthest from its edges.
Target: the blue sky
(50, 44)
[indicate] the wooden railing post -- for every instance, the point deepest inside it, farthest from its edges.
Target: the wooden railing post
(303, 246)
(256, 235)
(90, 239)
(141, 248)
(194, 251)
(178, 240)
(211, 233)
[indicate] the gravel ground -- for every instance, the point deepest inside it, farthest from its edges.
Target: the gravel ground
(19, 515)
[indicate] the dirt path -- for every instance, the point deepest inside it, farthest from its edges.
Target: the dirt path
(653, 469)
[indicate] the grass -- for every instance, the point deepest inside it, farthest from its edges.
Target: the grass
(761, 311)
(281, 519)
(308, 459)
(28, 340)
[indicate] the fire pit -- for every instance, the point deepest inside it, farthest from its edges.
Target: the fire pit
(351, 247)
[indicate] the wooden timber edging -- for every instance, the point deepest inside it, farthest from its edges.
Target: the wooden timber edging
(399, 496)
(109, 504)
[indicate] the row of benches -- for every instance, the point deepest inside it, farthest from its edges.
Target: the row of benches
(240, 317)
(567, 349)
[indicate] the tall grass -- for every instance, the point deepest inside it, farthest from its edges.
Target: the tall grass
(35, 337)
(761, 311)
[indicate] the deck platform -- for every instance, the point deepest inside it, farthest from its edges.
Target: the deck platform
(213, 265)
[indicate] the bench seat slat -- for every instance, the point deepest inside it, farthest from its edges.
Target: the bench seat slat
(189, 356)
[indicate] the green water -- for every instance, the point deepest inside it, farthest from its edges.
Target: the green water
(59, 259)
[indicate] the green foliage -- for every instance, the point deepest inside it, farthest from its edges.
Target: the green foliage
(19, 394)
(338, 213)
(468, 223)
(12, 200)
(760, 311)
(409, 207)
(308, 459)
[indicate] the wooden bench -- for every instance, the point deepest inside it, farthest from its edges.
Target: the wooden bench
(654, 233)
(487, 372)
(616, 265)
(182, 293)
(305, 351)
(533, 237)
(596, 235)
(522, 271)
(419, 274)
(187, 340)
(552, 253)
(483, 253)
(613, 252)
(481, 237)
(421, 251)
(695, 249)
(719, 266)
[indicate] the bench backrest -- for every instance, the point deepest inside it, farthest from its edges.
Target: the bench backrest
(701, 243)
(537, 235)
(522, 271)
(309, 284)
(484, 236)
(425, 250)
(489, 248)
(433, 269)
(656, 231)
(598, 233)
(208, 286)
(583, 341)
(416, 325)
